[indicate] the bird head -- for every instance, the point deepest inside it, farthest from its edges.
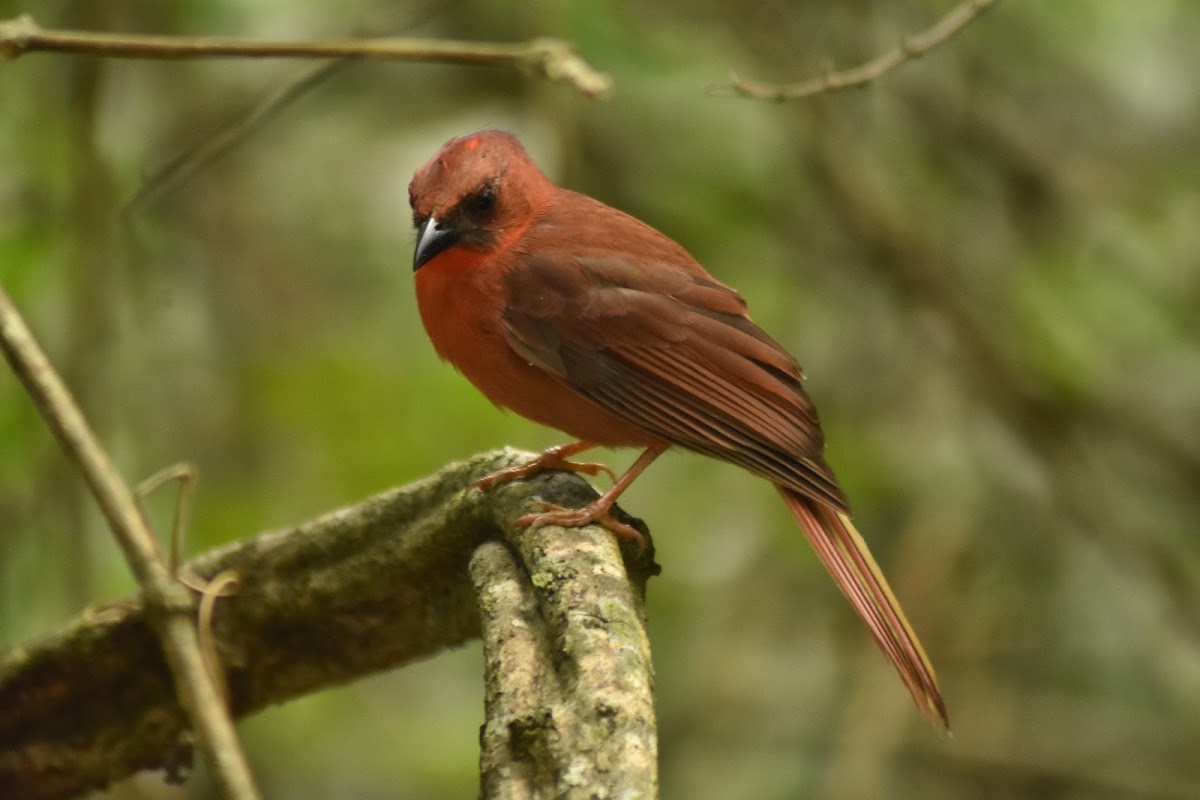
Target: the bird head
(475, 192)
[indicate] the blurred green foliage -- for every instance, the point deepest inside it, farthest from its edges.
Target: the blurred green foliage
(988, 262)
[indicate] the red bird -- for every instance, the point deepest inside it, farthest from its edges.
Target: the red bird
(582, 318)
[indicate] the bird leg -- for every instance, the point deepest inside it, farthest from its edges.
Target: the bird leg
(600, 510)
(554, 458)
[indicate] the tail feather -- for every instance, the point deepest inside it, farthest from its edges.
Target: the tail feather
(846, 556)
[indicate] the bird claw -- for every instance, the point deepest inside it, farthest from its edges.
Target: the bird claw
(590, 468)
(597, 512)
(541, 464)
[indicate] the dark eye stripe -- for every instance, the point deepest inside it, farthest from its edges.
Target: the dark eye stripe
(483, 201)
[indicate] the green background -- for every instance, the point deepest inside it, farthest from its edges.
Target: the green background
(988, 263)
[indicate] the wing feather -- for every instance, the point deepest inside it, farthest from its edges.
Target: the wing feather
(673, 351)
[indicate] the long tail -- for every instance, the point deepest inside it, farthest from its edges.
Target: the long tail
(845, 555)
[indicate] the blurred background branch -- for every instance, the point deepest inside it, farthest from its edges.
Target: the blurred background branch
(181, 168)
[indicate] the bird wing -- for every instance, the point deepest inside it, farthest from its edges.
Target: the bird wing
(666, 346)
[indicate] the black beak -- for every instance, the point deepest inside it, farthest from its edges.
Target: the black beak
(431, 240)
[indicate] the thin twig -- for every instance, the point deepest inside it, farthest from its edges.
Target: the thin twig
(170, 601)
(224, 584)
(185, 474)
(552, 59)
(910, 47)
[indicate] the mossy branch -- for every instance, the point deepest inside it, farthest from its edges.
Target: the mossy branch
(365, 588)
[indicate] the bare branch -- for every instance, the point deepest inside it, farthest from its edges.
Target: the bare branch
(552, 59)
(171, 603)
(910, 47)
(361, 589)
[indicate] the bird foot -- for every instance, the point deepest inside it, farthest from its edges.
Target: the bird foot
(546, 461)
(599, 512)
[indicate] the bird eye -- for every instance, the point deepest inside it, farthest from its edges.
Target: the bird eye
(483, 202)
